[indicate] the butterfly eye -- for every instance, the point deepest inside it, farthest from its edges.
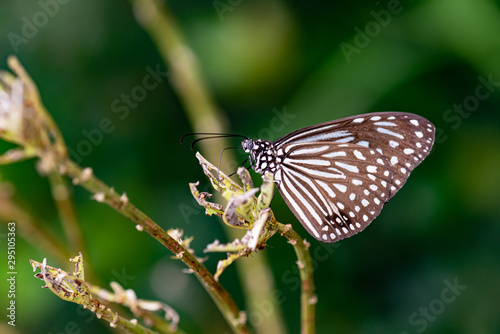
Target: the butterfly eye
(247, 145)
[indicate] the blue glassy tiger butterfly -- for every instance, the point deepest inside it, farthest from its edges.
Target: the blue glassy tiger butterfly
(336, 176)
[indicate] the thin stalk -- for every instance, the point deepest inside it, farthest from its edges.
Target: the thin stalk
(205, 116)
(308, 298)
(109, 196)
(64, 204)
(32, 230)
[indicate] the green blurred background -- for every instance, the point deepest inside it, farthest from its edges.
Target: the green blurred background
(273, 67)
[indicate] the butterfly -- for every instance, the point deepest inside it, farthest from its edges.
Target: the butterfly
(336, 176)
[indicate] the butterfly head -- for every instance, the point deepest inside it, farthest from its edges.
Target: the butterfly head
(262, 153)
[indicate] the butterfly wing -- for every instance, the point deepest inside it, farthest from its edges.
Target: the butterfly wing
(404, 139)
(334, 189)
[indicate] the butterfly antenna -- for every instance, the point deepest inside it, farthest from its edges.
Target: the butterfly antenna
(208, 135)
(220, 161)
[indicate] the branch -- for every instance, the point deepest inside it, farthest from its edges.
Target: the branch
(26, 122)
(308, 298)
(73, 288)
(254, 214)
(104, 194)
(204, 116)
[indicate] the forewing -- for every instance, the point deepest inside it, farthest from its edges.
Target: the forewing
(334, 189)
(403, 139)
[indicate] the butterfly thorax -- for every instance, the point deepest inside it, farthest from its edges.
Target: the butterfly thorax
(263, 155)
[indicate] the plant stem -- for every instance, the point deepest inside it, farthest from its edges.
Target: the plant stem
(64, 205)
(307, 297)
(31, 230)
(109, 196)
(205, 116)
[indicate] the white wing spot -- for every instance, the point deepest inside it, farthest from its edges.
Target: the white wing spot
(386, 173)
(327, 188)
(351, 226)
(345, 140)
(390, 133)
(414, 122)
(371, 169)
(334, 154)
(383, 183)
(403, 170)
(376, 200)
(357, 208)
(373, 187)
(418, 145)
(393, 143)
(365, 218)
(337, 230)
(391, 118)
(408, 151)
(352, 196)
(385, 124)
(359, 155)
(358, 225)
(311, 150)
(366, 192)
(397, 182)
(340, 205)
(419, 134)
(350, 168)
(365, 202)
(324, 237)
(357, 182)
(394, 160)
(375, 118)
(345, 230)
(332, 235)
(340, 187)
(393, 188)
(363, 143)
(315, 162)
(380, 161)
(371, 177)
(351, 214)
(358, 120)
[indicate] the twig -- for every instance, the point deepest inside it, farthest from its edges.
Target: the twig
(103, 193)
(246, 210)
(308, 298)
(205, 116)
(64, 204)
(27, 123)
(72, 287)
(30, 229)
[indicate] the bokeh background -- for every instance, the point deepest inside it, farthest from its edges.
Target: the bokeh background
(272, 67)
